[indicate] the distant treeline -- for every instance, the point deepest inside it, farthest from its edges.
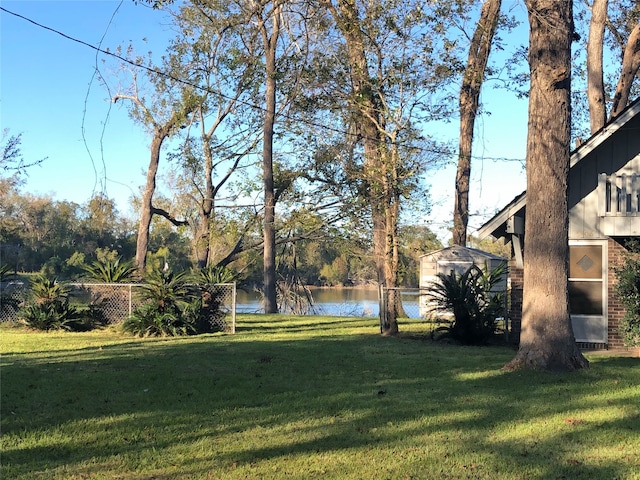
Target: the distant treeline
(59, 238)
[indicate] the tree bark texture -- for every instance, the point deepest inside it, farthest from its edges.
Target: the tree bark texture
(269, 252)
(146, 207)
(547, 341)
(479, 50)
(367, 110)
(204, 228)
(595, 76)
(630, 66)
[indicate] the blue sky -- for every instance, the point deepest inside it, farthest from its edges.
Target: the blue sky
(48, 93)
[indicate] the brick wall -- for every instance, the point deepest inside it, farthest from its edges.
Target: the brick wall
(616, 310)
(516, 280)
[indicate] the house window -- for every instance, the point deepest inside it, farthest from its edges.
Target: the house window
(585, 280)
(585, 298)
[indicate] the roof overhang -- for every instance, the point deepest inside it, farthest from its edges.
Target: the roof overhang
(498, 226)
(507, 221)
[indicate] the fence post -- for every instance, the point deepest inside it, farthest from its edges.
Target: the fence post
(233, 309)
(381, 307)
(130, 301)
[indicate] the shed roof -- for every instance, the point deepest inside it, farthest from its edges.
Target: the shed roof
(496, 225)
(463, 253)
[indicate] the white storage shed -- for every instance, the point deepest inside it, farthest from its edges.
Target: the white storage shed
(458, 259)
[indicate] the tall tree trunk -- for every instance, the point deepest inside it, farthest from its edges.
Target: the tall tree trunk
(394, 307)
(547, 341)
(479, 50)
(595, 76)
(146, 206)
(161, 132)
(269, 252)
(203, 233)
(378, 168)
(630, 66)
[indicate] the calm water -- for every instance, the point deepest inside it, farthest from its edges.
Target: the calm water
(352, 302)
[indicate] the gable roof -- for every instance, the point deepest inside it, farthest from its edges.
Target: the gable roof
(462, 253)
(496, 225)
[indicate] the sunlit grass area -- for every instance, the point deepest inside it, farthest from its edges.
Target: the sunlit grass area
(306, 397)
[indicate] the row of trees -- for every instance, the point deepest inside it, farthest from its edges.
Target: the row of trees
(60, 238)
(327, 103)
(352, 87)
(320, 112)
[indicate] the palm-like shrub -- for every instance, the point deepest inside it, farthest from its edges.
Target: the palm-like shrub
(172, 305)
(208, 307)
(168, 292)
(168, 307)
(470, 297)
(5, 271)
(48, 307)
(111, 270)
(215, 274)
(108, 270)
(148, 321)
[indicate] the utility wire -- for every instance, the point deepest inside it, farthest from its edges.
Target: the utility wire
(443, 152)
(96, 72)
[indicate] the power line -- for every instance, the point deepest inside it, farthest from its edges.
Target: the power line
(96, 71)
(444, 152)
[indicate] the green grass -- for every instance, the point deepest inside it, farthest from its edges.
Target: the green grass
(306, 397)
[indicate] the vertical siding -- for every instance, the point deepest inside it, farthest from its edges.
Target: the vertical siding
(617, 155)
(583, 198)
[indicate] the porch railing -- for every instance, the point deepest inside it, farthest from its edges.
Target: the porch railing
(618, 194)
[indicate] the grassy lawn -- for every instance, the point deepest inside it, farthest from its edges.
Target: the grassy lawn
(306, 397)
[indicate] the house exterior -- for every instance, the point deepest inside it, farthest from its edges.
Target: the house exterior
(604, 214)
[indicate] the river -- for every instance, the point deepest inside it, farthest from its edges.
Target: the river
(334, 301)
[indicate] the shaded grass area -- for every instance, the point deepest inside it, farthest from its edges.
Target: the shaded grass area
(306, 397)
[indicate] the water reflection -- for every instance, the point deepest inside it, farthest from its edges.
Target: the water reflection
(334, 301)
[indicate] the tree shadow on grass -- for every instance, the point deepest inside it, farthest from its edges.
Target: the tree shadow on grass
(242, 406)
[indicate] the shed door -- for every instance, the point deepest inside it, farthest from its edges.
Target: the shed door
(587, 291)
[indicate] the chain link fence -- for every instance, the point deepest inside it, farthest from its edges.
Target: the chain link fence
(413, 304)
(225, 293)
(115, 302)
(12, 296)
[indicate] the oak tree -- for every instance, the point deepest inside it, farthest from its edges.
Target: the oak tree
(547, 340)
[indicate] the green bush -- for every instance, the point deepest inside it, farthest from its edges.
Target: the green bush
(48, 307)
(628, 292)
(149, 321)
(109, 270)
(173, 306)
(215, 274)
(470, 298)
